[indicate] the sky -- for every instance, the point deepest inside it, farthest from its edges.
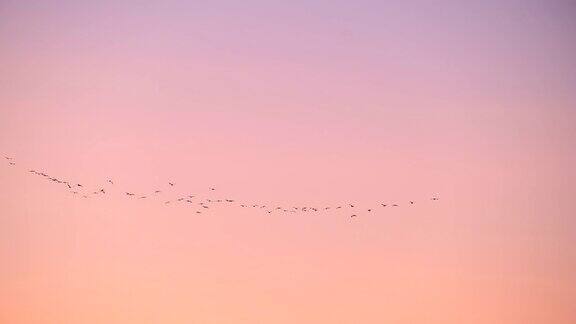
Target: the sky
(295, 103)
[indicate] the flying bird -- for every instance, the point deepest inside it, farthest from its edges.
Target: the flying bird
(171, 184)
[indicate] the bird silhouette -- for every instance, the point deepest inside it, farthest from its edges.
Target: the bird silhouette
(86, 194)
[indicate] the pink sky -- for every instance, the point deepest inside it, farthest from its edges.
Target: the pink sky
(294, 103)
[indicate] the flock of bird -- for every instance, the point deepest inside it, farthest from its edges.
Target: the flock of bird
(203, 204)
